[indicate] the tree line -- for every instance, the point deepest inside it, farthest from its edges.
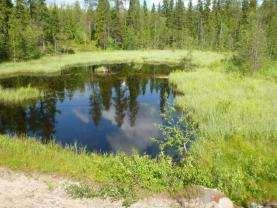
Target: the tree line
(31, 28)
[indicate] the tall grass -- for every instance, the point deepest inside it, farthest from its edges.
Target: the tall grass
(225, 105)
(19, 95)
(237, 124)
(269, 70)
(53, 64)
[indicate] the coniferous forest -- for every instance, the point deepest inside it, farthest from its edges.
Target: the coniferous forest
(32, 28)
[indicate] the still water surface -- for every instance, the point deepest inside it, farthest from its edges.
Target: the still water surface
(105, 112)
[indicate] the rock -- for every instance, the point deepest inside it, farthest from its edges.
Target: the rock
(271, 204)
(225, 202)
(254, 205)
(101, 69)
(200, 197)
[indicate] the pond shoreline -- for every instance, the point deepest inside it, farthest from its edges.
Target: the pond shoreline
(51, 65)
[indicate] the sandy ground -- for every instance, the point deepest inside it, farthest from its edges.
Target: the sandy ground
(23, 190)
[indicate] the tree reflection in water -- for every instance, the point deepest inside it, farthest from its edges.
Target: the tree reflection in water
(105, 112)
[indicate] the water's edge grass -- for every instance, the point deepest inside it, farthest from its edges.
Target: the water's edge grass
(19, 96)
(49, 65)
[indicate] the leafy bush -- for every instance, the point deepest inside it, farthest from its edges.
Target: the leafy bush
(177, 133)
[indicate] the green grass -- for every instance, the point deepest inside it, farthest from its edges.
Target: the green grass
(19, 95)
(235, 151)
(236, 117)
(52, 64)
(225, 104)
(119, 176)
(269, 70)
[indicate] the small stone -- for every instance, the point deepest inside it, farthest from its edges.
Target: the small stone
(254, 205)
(271, 204)
(225, 202)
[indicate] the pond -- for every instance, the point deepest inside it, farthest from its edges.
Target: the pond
(110, 111)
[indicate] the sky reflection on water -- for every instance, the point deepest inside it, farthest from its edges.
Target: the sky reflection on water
(103, 112)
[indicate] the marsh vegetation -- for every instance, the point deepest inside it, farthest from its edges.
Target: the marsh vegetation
(19, 95)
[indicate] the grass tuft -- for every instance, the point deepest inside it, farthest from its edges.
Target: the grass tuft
(19, 95)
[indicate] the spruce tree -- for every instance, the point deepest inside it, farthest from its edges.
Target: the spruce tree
(269, 15)
(133, 29)
(118, 23)
(103, 23)
(5, 12)
(200, 24)
(53, 28)
(252, 50)
(190, 23)
(179, 20)
(23, 40)
(134, 14)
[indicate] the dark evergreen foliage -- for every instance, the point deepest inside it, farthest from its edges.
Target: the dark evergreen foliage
(32, 28)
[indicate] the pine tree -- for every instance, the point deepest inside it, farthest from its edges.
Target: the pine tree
(269, 14)
(118, 23)
(23, 37)
(133, 27)
(38, 13)
(200, 24)
(53, 28)
(252, 48)
(5, 12)
(145, 35)
(103, 23)
(134, 14)
(165, 8)
(169, 15)
(207, 23)
(190, 23)
(31, 27)
(179, 20)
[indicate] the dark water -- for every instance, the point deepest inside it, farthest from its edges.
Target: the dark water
(109, 112)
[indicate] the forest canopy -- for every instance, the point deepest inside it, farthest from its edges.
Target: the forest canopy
(31, 28)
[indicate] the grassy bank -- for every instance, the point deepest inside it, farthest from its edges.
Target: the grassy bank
(237, 124)
(19, 95)
(120, 176)
(53, 64)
